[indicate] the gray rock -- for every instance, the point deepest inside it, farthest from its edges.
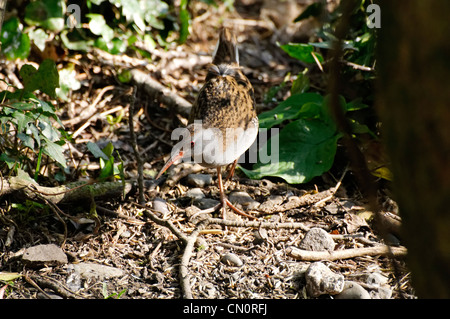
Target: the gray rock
(199, 180)
(195, 193)
(160, 205)
(231, 259)
(317, 239)
(376, 279)
(244, 199)
(320, 280)
(48, 255)
(353, 290)
(383, 292)
(91, 270)
(271, 203)
(206, 203)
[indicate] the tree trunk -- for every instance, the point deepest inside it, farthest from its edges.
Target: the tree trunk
(413, 93)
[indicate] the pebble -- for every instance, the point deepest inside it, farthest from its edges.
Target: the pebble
(269, 205)
(317, 239)
(160, 205)
(205, 203)
(199, 180)
(231, 259)
(353, 290)
(92, 270)
(195, 193)
(244, 199)
(48, 255)
(320, 280)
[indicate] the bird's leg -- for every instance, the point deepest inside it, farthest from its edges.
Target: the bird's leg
(231, 173)
(224, 201)
(222, 193)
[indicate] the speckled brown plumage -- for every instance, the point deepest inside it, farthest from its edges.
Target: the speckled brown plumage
(224, 109)
(227, 98)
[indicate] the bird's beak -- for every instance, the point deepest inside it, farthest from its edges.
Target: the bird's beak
(173, 158)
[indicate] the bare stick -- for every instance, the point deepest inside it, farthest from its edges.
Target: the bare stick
(255, 224)
(135, 149)
(383, 250)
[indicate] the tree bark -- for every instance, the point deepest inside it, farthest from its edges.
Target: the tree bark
(413, 96)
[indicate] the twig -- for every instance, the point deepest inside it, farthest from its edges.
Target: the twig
(334, 190)
(255, 224)
(307, 255)
(163, 222)
(184, 270)
(54, 285)
(135, 149)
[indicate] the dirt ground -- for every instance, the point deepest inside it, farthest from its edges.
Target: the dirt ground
(151, 255)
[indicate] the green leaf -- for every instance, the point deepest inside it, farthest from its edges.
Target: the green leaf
(55, 151)
(48, 14)
(8, 160)
(26, 139)
(14, 43)
(302, 52)
(98, 26)
(108, 149)
(107, 168)
(301, 84)
(45, 79)
(21, 120)
(39, 37)
(288, 109)
(306, 149)
(96, 151)
(67, 82)
(184, 22)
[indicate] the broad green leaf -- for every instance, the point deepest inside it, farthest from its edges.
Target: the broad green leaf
(306, 150)
(39, 37)
(98, 26)
(288, 109)
(302, 52)
(14, 43)
(55, 151)
(21, 120)
(108, 149)
(45, 79)
(48, 14)
(107, 168)
(48, 130)
(301, 84)
(26, 139)
(96, 151)
(67, 82)
(8, 160)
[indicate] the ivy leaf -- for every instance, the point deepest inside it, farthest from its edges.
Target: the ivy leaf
(45, 79)
(48, 14)
(303, 52)
(15, 44)
(54, 151)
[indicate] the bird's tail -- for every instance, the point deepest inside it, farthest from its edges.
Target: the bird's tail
(226, 51)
